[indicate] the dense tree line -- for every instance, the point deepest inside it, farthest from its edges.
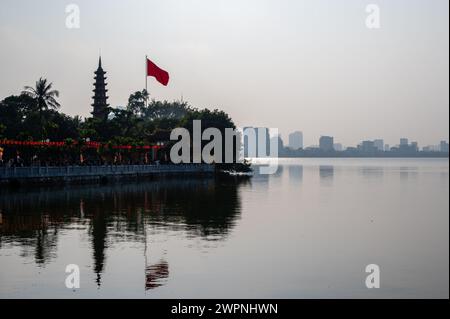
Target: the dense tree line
(34, 115)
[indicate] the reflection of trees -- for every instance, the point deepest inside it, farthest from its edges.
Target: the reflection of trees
(46, 240)
(206, 208)
(33, 231)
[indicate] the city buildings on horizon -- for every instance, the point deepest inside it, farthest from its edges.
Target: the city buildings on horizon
(328, 147)
(326, 143)
(296, 140)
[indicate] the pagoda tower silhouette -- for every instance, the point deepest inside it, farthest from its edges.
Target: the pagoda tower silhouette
(100, 105)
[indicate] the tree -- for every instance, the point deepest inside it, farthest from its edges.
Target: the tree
(157, 110)
(213, 119)
(45, 98)
(14, 114)
(137, 101)
(60, 126)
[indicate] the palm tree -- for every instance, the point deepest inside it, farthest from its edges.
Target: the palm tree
(44, 96)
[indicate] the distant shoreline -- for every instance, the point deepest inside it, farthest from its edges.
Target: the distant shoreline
(444, 155)
(347, 156)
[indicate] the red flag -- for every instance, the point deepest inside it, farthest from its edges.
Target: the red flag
(160, 75)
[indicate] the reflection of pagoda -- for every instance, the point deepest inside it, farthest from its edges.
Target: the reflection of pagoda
(100, 106)
(99, 234)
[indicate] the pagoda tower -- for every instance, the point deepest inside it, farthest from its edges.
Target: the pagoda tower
(101, 109)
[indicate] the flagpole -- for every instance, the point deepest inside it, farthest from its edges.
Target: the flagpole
(146, 76)
(145, 254)
(146, 72)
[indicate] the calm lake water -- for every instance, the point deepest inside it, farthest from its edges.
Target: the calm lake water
(307, 231)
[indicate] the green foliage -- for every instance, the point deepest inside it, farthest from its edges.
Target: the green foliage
(157, 110)
(34, 115)
(44, 99)
(216, 118)
(44, 96)
(2, 130)
(18, 116)
(137, 101)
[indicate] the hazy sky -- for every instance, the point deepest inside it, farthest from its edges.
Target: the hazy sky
(308, 65)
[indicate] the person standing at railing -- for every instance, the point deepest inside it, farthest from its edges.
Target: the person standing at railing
(18, 161)
(35, 161)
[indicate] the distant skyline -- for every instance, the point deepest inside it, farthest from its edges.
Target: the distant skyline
(294, 141)
(310, 66)
(377, 141)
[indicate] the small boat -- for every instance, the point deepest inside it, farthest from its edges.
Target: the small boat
(235, 173)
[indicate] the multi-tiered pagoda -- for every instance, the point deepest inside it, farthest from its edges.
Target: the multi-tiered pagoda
(101, 109)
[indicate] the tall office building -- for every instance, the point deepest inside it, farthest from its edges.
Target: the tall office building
(276, 140)
(443, 146)
(379, 144)
(263, 138)
(403, 141)
(296, 140)
(248, 145)
(256, 141)
(368, 147)
(326, 143)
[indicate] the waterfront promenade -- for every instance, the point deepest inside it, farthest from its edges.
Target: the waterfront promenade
(80, 173)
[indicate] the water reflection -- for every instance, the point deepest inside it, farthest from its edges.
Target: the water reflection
(156, 274)
(407, 173)
(326, 173)
(34, 218)
(279, 171)
(370, 172)
(295, 173)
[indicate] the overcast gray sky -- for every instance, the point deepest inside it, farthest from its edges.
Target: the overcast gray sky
(308, 65)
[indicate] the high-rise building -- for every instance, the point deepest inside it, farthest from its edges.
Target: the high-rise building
(326, 143)
(431, 148)
(276, 140)
(443, 146)
(403, 141)
(263, 141)
(256, 141)
(379, 144)
(246, 139)
(367, 147)
(337, 147)
(100, 107)
(387, 147)
(296, 140)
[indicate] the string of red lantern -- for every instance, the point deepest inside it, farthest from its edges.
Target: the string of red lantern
(89, 144)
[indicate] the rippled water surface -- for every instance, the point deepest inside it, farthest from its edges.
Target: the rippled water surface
(307, 231)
